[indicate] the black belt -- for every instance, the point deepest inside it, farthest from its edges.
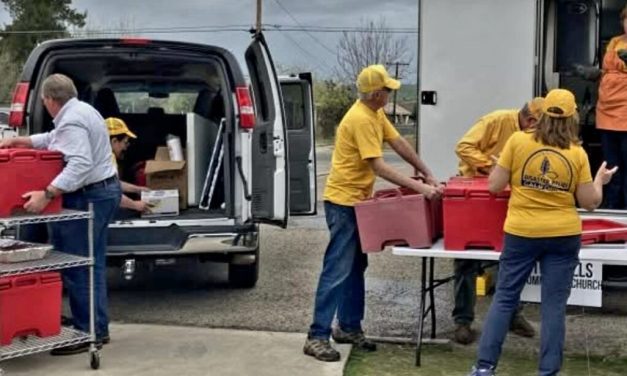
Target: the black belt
(100, 184)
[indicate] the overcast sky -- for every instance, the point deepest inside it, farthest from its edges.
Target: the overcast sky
(289, 48)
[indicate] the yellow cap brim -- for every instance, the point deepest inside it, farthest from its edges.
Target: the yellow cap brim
(393, 84)
(130, 134)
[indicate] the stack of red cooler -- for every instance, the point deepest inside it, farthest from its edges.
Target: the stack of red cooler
(398, 217)
(29, 304)
(473, 217)
(25, 170)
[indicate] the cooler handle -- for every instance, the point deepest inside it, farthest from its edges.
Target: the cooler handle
(387, 193)
(23, 155)
(49, 156)
(29, 280)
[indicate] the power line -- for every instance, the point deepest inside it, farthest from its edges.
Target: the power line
(225, 28)
(306, 32)
(321, 67)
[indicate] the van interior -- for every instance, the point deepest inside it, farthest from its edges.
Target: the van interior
(157, 95)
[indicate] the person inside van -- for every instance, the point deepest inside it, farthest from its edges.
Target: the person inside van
(610, 112)
(120, 137)
(357, 161)
(476, 151)
(548, 172)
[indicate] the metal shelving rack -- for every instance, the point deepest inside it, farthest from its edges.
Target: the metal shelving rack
(56, 260)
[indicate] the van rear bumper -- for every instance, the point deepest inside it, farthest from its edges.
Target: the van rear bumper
(173, 241)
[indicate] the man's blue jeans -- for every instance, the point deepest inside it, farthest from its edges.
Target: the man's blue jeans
(72, 237)
(558, 257)
(341, 285)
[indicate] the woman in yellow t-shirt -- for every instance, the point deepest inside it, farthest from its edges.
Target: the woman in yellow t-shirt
(548, 172)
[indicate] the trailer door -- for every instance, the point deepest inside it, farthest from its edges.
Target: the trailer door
(475, 56)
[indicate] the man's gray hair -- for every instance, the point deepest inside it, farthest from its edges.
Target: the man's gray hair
(59, 88)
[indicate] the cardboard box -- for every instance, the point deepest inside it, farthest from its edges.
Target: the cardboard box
(162, 202)
(164, 174)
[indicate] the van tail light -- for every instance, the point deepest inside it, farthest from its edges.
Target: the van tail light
(18, 105)
(246, 109)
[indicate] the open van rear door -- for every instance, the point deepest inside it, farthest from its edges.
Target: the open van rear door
(269, 153)
(297, 91)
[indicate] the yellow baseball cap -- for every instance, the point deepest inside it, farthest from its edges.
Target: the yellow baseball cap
(559, 103)
(535, 107)
(117, 126)
(375, 77)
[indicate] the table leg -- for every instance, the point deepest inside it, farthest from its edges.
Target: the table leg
(432, 296)
(421, 309)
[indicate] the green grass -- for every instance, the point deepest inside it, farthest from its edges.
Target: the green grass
(398, 360)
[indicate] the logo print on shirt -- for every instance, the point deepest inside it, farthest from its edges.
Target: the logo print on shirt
(547, 170)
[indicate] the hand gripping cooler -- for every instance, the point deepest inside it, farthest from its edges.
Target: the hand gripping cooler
(473, 217)
(398, 217)
(30, 304)
(25, 170)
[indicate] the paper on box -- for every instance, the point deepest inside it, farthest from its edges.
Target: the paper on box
(161, 202)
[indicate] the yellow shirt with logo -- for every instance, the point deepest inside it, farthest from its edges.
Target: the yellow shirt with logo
(359, 137)
(543, 183)
(486, 138)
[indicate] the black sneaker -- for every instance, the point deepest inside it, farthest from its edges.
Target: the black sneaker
(74, 349)
(357, 339)
(321, 349)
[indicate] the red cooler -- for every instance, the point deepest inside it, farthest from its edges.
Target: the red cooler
(398, 217)
(25, 170)
(30, 305)
(473, 217)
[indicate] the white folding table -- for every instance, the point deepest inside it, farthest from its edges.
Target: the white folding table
(606, 254)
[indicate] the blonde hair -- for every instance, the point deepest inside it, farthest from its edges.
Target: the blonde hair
(557, 132)
(59, 88)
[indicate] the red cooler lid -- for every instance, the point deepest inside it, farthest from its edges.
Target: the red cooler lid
(458, 186)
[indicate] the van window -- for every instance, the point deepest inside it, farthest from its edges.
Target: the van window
(294, 105)
(140, 102)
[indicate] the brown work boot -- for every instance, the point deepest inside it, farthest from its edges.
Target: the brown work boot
(357, 339)
(321, 349)
(464, 334)
(521, 326)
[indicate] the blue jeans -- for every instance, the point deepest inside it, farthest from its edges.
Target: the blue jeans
(72, 237)
(341, 285)
(558, 259)
(615, 154)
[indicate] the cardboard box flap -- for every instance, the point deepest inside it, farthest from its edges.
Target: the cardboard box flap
(162, 154)
(158, 166)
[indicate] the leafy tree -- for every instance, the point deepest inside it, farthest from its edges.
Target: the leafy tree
(373, 44)
(332, 101)
(33, 21)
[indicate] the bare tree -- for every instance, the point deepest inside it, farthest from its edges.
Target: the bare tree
(373, 43)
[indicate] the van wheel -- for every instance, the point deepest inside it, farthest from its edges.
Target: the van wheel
(244, 276)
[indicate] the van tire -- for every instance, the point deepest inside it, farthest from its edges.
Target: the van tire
(244, 276)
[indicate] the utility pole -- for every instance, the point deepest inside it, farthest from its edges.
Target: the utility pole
(397, 64)
(258, 22)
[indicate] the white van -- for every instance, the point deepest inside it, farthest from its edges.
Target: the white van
(199, 94)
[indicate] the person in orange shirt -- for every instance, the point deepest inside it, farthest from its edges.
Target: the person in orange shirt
(611, 112)
(357, 161)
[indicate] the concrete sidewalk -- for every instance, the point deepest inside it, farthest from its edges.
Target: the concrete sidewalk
(186, 351)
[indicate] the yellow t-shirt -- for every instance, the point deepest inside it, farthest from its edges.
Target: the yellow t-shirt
(486, 138)
(359, 137)
(543, 183)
